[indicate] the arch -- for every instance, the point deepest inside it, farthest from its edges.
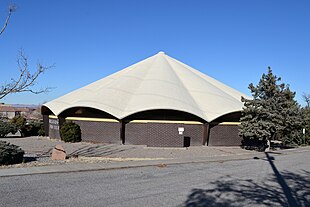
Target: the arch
(229, 117)
(86, 112)
(163, 114)
(46, 111)
(224, 130)
(162, 127)
(96, 125)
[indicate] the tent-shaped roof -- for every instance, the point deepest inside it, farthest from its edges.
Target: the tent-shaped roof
(158, 82)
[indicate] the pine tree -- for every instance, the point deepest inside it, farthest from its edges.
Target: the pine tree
(292, 119)
(306, 125)
(271, 114)
(306, 118)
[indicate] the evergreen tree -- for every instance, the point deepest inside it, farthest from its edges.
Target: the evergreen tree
(306, 117)
(292, 119)
(271, 114)
(307, 125)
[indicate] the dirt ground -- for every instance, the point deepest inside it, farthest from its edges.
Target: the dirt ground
(42, 146)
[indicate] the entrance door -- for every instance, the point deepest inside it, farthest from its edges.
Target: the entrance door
(187, 142)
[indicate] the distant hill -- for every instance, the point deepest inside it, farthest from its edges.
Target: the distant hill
(32, 106)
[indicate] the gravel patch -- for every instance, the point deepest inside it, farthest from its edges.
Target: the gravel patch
(38, 152)
(47, 161)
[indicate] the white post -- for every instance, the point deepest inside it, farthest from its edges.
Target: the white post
(268, 144)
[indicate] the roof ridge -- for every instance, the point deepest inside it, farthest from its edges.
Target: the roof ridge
(139, 85)
(199, 74)
(186, 89)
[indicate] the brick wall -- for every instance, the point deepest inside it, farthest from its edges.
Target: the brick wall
(152, 134)
(92, 131)
(100, 131)
(224, 135)
(162, 134)
(53, 132)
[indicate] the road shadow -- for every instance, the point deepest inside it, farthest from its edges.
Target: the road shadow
(278, 189)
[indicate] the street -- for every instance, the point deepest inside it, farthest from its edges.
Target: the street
(278, 179)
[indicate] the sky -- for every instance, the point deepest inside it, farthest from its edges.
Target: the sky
(231, 41)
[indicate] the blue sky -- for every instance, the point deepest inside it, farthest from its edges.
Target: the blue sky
(232, 41)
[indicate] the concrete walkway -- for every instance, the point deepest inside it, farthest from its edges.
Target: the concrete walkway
(162, 157)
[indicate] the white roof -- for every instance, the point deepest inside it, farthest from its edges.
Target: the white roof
(158, 82)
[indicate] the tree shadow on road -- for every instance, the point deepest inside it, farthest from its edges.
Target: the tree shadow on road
(280, 189)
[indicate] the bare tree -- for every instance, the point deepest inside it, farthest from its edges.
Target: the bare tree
(11, 9)
(306, 98)
(26, 79)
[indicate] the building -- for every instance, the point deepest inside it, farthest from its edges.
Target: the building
(158, 102)
(10, 111)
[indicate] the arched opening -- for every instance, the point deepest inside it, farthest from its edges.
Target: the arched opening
(164, 128)
(164, 114)
(230, 117)
(46, 111)
(224, 130)
(49, 127)
(96, 125)
(85, 112)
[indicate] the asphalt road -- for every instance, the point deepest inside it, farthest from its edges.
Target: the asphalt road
(274, 180)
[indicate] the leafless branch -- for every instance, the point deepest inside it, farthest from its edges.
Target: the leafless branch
(26, 80)
(11, 9)
(306, 98)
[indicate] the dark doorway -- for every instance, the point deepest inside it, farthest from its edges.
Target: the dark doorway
(187, 142)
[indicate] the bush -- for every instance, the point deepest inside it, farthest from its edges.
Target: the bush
(28, 128)
(254, 144)
(6, 128)
(32, 128)
(10, 153)
(70, 132)
(18, 122)
(41, 131)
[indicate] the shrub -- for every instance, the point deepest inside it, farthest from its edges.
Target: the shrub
(32, 128)
(18, 122)
(6, 128)
(10, 153)
(41, 131)
(28, 128)
(70, 132)
(254, 144)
